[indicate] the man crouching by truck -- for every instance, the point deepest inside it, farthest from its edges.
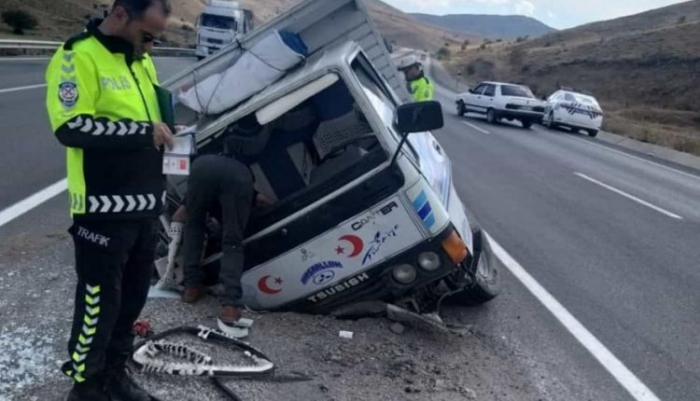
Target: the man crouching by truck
(222, 186)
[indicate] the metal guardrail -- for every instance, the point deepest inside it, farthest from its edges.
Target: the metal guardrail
(12, 44)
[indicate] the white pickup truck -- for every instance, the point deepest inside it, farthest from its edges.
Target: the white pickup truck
(366, 209)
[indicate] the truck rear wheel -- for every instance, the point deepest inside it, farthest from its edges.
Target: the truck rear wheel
(483, 284)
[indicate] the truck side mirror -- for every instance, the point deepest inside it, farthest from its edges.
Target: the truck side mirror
(419, 117)
(416, 117)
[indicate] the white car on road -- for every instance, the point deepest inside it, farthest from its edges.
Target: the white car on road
(573, 110)
(502, 101)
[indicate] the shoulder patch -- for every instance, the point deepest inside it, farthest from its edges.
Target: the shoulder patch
(68, 93)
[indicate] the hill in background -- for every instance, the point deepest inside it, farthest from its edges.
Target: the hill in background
(644, 68)
(489, 26)
(59, 19)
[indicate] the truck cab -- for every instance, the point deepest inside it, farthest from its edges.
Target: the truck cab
(365, 208)
(219, 24)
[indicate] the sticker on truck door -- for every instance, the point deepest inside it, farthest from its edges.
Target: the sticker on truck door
(333, 258)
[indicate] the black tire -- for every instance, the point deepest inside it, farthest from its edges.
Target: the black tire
(491, 116)
(200, 58)
(526, 124)
(461, 111)
(483, 278)
(548, 121)
(592, 133)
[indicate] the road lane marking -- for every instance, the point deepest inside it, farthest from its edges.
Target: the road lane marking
(639, 158)
(638, 390)
(477, 128)
(630, 197)
(22, 88)
(33, 201)
(24, 58)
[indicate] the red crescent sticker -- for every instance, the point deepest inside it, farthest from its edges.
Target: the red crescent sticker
(357, 244)
(265, 288)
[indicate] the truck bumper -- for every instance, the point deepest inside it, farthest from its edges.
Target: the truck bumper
(379, 284)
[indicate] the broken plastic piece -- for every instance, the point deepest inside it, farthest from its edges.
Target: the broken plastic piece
(346, 334)
(235, 332)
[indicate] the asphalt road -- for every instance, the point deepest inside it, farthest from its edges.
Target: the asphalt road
(613, 236)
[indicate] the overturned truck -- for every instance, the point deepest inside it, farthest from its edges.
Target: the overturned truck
(365, 208)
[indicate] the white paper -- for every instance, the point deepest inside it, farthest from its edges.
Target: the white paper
(182, 146)
(176, 165)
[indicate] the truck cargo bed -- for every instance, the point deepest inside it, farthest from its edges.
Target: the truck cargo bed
(320, 23)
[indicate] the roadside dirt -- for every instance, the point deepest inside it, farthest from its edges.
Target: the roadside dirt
(36, 283)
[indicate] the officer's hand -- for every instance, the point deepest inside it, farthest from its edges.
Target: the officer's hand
(262, 202)
(162, 135)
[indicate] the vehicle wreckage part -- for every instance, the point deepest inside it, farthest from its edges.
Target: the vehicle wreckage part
(477, 283)
(455, 248)
(174, 272)
(428, 321)
(429, 261)
(232, 331)
(405, 274)
(195, 363)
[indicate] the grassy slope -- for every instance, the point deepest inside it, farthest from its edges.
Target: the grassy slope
(644, 69)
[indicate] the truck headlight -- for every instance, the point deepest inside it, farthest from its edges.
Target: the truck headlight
(429, 261)
(405, 274)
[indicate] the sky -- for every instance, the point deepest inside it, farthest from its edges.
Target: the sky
(560, 14)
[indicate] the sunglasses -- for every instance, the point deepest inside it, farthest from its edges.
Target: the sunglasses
(147, 37)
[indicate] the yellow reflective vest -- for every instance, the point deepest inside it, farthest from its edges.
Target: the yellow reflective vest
(421, 89)
(102, 106)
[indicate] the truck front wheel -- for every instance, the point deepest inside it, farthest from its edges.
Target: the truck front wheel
(491, 116)
(526, 124)
(460, 108)
(480, 284)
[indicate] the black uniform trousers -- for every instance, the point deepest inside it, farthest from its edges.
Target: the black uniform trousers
(114, 263)
(223, 182)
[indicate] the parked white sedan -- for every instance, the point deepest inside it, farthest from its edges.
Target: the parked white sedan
(502, 101)
(573, 110)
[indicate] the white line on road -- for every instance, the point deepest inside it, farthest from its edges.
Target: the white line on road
(476, 128)
(645, 161)
(24, 58)
(638, 390)
(655, 164)
(631, 197)
(31, 202)
(22, 88)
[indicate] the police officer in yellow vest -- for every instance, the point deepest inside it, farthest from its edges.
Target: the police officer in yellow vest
(102, 104)
(418, 84)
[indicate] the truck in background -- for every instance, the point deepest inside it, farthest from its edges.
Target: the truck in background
(219, 24)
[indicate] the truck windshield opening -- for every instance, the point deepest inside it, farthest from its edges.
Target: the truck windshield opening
(218, 22)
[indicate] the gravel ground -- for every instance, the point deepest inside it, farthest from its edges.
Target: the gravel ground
(36, 283)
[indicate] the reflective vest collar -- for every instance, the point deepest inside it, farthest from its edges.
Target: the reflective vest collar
(419, 77)
(112, 43)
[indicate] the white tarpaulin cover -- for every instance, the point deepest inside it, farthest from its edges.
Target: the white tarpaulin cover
(263, 64)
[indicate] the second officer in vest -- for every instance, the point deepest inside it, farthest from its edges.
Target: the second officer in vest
(418, 84)
(102, 104)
